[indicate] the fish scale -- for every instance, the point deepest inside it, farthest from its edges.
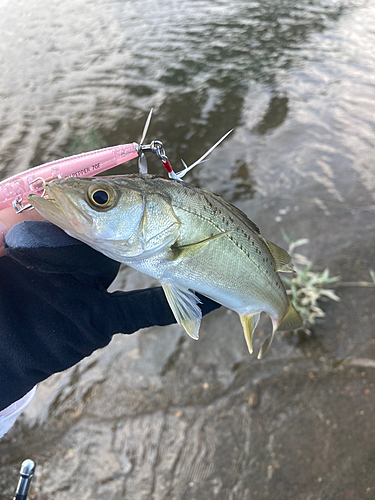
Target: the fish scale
(255, 250)
(189, 239)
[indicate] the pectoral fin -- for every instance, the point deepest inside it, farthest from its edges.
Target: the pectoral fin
(199, 243)
(249, 323)
(183, 303)
(281, 257)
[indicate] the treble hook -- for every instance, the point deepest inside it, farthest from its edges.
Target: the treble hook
(17, 203)
(158, 148)
(142, 162)
(180, 175)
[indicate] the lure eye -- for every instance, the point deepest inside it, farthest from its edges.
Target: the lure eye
(101, 197)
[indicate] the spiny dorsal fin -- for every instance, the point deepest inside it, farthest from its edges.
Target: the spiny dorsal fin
(183, 303)
(281, 257)
(291, 321)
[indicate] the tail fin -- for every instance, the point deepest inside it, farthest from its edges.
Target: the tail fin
(290, 321)
(249, 323)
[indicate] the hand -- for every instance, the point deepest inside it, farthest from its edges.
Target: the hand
(54, 307)
(9, 218)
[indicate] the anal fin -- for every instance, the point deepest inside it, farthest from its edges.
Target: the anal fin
(249, 323)
(183, 303)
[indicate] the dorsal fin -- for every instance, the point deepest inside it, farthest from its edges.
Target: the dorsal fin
(235, 210)
(291, 321)
(281, 257)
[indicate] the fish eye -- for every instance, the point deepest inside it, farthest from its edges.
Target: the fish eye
(101, 197)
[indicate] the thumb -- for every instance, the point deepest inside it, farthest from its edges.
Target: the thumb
(9, 218)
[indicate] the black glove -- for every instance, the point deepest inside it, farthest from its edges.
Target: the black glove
(54, 307)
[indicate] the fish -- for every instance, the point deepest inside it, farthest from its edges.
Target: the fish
(189, 239)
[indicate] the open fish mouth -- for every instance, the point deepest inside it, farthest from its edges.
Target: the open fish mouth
(58, 208)
(47, 207)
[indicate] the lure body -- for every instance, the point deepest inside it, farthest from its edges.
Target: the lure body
(14, 190)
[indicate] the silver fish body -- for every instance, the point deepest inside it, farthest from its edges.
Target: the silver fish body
(189, 239)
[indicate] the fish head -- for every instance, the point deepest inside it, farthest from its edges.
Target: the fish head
(111, 214)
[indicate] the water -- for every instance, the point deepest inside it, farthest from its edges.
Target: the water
(156, 415)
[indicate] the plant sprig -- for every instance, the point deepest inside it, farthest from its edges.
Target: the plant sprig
(308, 288)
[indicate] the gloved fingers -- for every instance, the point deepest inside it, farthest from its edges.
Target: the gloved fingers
(127, 312)
(37, 234)
(43, 246)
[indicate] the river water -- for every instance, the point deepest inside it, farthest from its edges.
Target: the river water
(156, 415)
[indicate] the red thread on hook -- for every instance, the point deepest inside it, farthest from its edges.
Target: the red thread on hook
(167, 166)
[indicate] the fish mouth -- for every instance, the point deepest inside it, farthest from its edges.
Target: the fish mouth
(59, 209)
